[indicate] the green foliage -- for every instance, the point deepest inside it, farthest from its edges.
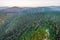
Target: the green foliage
(34, 26)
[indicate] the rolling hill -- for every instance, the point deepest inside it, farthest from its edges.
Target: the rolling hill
(30, 23)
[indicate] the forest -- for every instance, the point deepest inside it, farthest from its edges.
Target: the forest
(30, 24)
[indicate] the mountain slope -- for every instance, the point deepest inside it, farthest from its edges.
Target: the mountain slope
(41, 23)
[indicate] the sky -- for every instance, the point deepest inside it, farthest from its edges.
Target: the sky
(29, 3)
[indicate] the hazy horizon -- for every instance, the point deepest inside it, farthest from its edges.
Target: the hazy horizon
(29, 3)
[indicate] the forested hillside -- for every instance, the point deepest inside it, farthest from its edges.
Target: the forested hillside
(41, 23)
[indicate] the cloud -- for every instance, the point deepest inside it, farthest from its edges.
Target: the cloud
(29, 2)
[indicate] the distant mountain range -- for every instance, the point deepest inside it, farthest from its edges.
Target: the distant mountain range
(29, 9)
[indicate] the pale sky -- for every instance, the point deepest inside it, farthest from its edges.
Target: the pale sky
(29, 3)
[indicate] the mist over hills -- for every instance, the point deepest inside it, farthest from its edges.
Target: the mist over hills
(21, 9)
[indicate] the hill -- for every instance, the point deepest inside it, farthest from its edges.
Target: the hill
(40, 23)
